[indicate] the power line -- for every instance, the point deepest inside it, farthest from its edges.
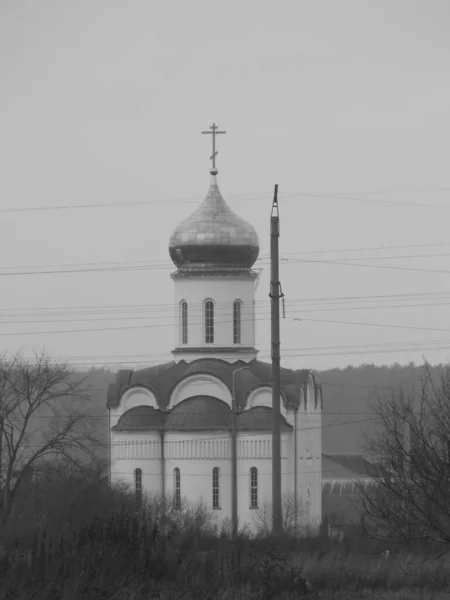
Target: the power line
(168, 263)
(349, 264)
(249, 196)
(285, 356)
(410, 327)
(303, 349)
(245, 434)
(296, 319)
(149, 266)
(172, 306)
(137, 317)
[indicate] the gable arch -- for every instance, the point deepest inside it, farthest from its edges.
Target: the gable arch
(262, 396)
(319, 398)
(310, 393)
(200, 384)
(302, 397)
(137, 396)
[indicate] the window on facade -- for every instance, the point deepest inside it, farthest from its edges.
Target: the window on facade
(253, 487)
(215, 488)
(209, 322)
(176, 488)
(184, 322)
(236, 322)
(138, 486)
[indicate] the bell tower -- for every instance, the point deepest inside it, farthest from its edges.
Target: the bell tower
(214, 251)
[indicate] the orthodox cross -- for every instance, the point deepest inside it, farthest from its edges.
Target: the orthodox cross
(214, 131)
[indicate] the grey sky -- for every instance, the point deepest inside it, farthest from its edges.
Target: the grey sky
(103, 101)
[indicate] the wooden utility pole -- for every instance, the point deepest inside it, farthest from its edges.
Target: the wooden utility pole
(277, 517)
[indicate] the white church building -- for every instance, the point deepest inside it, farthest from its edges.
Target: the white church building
(171, 425)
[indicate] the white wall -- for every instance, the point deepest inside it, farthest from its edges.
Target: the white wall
(196, 455)
(223, 290)
(137, 450)
(256, 451)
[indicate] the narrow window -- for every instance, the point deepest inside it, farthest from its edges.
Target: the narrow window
(215, 490)
(253, 487)
(138, 486)
(209, 322)
(236, 322)
(177, 488)
(184, 322)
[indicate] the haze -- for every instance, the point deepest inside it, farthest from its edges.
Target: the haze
(103, 102)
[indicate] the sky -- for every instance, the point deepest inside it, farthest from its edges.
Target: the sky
(343, 104)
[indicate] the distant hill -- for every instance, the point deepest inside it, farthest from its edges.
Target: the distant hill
(348, 394)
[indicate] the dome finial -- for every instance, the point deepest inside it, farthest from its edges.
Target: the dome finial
(214, 131)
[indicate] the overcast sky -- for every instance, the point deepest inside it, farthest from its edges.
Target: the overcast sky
(103, 102)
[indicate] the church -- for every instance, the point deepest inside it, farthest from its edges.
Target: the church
(199, 427)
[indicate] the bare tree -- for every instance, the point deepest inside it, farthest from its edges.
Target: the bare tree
(293, 517)
(44, 414)
(409, 454)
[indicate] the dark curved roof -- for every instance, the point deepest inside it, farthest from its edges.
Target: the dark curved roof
(199, 413)
(140, 418)
(259, 418)
(162, 379)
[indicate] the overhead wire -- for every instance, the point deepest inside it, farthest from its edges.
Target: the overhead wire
(251, 319)
(147, 314)
(149, 266)
(168, 306)
(246, 196)
(247, 434)
(126, 264)
(286, 353)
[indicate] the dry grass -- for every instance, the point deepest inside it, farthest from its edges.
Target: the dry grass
(120, 559)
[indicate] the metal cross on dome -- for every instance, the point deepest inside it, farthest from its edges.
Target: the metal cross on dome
(214, 131)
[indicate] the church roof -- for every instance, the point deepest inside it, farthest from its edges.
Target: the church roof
(199, 413)
(140, 418)
(214, 237)
(161, 379)
(344, 466)
(259, 418)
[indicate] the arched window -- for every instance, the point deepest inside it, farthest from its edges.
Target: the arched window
(236, 322)
(176, 488)
(138, 486)
(215, 488)
(253, 487)
(209, 322)
(184, 322)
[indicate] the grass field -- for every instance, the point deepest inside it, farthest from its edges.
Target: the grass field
(94, 544)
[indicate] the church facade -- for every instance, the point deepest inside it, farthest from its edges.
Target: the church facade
(176, 428)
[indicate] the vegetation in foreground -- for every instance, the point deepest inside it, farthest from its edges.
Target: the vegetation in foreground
(67, 535)
(71, 537)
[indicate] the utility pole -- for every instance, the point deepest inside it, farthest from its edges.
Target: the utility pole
(277, 516)
(234, 483)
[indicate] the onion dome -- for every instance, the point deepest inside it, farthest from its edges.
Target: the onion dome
(214, 237)
(199, 413)
(140, 418)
